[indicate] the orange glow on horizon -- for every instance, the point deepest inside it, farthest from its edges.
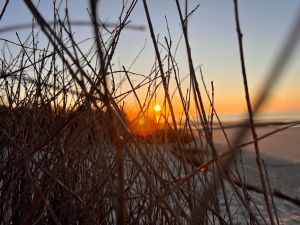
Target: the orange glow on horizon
(225, 104)
(143, 126)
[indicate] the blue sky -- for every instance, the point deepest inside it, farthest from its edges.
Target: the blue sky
(212, 35)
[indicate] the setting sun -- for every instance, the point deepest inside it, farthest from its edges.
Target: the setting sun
(157, 108)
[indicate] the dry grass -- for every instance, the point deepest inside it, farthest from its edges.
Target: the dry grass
(68, 155)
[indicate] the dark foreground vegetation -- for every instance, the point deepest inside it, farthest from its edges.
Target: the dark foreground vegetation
(68, 155)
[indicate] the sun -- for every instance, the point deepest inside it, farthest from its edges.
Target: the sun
(157, 108)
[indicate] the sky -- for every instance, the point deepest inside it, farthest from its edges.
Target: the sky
(213, 40)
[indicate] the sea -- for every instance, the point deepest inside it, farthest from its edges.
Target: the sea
(265, 116)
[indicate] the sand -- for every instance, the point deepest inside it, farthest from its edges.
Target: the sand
(281, 154)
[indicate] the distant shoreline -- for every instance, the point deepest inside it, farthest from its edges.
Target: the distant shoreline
(228, 125)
